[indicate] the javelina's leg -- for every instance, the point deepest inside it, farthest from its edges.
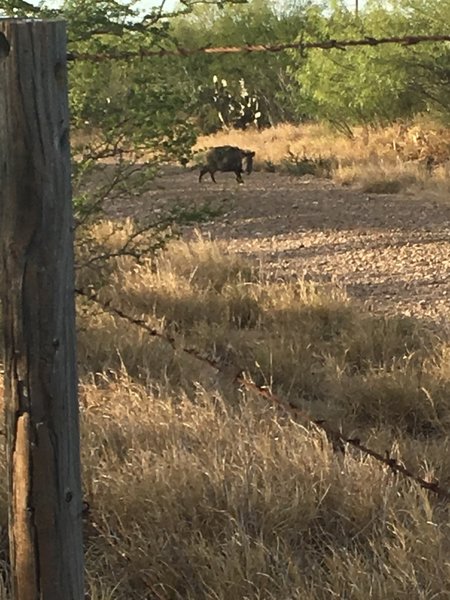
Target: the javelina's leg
(212, 176)
(239, 177)
(202, 172)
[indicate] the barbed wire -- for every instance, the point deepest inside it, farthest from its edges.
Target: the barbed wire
(408, 40)
(239, 377)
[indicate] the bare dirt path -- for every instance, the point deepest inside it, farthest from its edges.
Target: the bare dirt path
(390, 251)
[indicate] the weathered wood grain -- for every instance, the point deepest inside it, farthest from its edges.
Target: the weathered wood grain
(36, 291)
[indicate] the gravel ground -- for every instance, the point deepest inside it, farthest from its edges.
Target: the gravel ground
(390, 251)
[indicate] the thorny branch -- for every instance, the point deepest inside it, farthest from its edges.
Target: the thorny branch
(407, 40)
(127, 248)
(338, 440)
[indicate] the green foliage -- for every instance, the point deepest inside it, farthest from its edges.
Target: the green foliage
(265, 74)
(136, 103)
(378, 84)
(156, 102)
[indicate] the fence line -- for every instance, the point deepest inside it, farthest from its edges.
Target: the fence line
(240, 378)
(407, 40)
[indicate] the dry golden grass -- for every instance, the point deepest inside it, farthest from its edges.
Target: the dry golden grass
(383, 160)
(202, 491)
(196, 499)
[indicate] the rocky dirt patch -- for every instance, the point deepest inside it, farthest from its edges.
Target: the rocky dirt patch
(391, 252)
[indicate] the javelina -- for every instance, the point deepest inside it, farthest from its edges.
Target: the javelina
(226, 159)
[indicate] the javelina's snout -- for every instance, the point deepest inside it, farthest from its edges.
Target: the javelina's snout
(227, 159)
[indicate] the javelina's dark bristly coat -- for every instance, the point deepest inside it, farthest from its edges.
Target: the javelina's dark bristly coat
(226, 159)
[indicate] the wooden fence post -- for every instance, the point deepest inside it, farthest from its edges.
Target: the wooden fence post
(37, 296)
